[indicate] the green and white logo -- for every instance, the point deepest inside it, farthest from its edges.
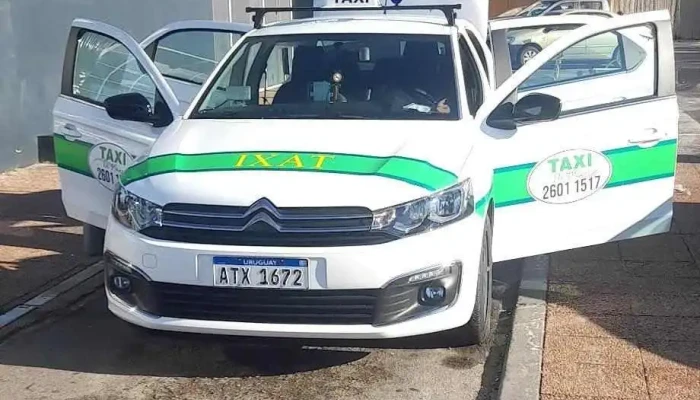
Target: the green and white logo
(569, 176)
(108, 162)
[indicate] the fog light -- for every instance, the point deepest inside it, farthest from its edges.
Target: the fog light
(121, 283)
(433, 295)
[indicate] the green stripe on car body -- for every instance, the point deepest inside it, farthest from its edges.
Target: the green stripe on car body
(414, 172)
(629, 165)
(72, 155)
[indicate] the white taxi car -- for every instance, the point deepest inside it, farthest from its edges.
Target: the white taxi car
(353, 177)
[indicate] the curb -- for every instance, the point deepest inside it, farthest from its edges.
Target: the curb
(523, 362)
(51, 300)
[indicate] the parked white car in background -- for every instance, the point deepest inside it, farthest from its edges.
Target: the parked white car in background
(556, 7)
(354, 177)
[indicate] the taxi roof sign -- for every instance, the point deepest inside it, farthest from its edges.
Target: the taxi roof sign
(449, 10)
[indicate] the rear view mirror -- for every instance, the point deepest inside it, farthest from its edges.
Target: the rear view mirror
(134, 107)
(534, 107)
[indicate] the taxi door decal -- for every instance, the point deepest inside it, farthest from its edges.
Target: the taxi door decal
(628, 165)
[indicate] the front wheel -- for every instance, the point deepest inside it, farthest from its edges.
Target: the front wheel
(478, 329)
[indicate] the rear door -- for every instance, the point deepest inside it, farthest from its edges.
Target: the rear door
(92, 149)
(604, 170)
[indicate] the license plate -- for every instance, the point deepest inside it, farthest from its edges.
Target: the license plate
(261, 272)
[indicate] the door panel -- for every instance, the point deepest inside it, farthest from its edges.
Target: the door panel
(604, 170)
(92, 149)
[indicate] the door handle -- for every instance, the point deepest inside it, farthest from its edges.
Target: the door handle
(70, 130)
(649, 137)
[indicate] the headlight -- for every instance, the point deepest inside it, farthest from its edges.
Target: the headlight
(135, 212)
(511, 39)
(427, 213)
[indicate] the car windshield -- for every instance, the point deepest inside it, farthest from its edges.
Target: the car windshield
(335, 76)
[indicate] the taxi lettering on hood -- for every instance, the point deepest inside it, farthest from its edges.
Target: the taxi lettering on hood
(413, 171)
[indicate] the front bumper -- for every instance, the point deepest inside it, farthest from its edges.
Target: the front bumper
(332, 270)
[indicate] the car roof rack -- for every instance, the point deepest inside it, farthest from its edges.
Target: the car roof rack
(447, 9)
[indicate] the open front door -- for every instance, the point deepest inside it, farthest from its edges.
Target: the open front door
(93, 149)
(167, 68)
(604, 169)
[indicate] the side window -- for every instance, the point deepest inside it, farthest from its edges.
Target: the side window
(103, 67)
(526, 43)
(591, 5)
(613, 66)
(472, 79)
(479, 52)
(191, 56)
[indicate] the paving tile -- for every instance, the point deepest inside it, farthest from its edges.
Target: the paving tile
(570, 301)
(662, 269)
(652, 329)
(631, 286)
(589, 271)
(607, 251)
(674, 383)
(688, 177)
(666, 247)
(666, 305)
(603, 326)
(593, 380)
(560, 349)
(666, 355)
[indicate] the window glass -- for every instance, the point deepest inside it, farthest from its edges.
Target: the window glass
(192, 55)
(526, 43)
(472, 80)
(606, 68)
(104, 67)
(562, 8)
(591, 5)
(336, 76)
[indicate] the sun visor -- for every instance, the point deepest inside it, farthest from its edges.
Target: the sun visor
(474, 11)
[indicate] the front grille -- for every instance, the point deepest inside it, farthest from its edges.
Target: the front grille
(260, 305)
(263, 224)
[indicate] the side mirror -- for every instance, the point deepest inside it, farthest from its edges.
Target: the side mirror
(531, 108)
(133, 107)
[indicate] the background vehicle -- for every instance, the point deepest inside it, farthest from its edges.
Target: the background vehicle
(556, 7)
(526, 43)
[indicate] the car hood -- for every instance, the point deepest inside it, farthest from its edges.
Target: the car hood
(301, 163)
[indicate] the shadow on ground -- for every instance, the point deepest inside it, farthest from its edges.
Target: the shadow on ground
(90, 339)
(39, 244)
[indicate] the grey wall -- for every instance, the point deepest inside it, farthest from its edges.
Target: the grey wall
(32, 41)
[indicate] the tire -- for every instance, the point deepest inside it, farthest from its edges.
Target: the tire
(479, 330)
(93, 240)
(527, 52)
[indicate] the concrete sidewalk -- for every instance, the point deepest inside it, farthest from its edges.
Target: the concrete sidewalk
(39, 244)
(623, 319)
